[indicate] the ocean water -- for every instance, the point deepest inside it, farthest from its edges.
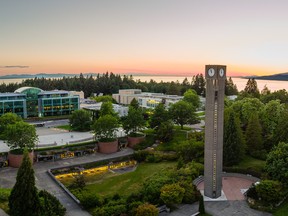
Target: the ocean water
(273, 85)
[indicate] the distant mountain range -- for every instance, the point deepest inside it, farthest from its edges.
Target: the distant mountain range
(280, 76)
(40, 75)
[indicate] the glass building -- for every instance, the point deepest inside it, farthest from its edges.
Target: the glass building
(34, 102)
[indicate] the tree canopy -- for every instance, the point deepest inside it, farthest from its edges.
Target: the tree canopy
(276, 163)
(183, 113)
(233, 142)
(80, 120)
(134, 121)
(105, 128)
(21, 135)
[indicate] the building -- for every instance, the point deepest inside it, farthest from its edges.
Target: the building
(214, 121)
(95, 107)
(145, 99)
(13, 102)
(34, 102)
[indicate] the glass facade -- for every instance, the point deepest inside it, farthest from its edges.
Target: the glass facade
(33, 102)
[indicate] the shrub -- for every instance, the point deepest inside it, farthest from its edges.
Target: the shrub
(270, 191)
(147, 210)
(141, 155)
(50, 206)
(110, 210)
(89, 199)
(172, 194)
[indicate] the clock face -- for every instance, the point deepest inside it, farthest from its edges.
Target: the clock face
(211, 72)
(221, 72)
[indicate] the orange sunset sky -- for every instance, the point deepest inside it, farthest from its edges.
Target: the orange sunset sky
(157, 37)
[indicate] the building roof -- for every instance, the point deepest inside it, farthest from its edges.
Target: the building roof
(54, 92)
(22, 89)
(9, 94)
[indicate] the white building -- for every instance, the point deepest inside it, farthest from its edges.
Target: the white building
(145, 99)
(121, 110)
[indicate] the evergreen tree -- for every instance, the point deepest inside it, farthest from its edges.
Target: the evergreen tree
(251, 88)
(24, 199)
(230, 87)
(134, 103)
(233, 147)
(198, 84)
(254, 136)
(159, 115)
(50, 205)
(201, 205)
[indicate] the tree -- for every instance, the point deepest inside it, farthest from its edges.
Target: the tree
(254, 139)
(21, 135)
(172, 194)
(147, 209)
(270, 191)
(165, 131)
(105, 128)
(160, 114)
(104, 98)
(201, 205)
(24, 199)
(50, 205)
(246, 107)
(251, 88)
(183, 113)
(7, 119)
(107, 109)
(191, 96)
(270, 116)
(230, 87)
(198, 84)
(134, 121)
(80, 120)
(276, 163)
(233, 145)
(134, 103)
(191, 150)
(281, 134)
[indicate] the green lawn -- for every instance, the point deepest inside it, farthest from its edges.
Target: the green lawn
(128, 183)
(282, 210)
(251, 163)
(4, 195)
(172, 145)
(65, 127)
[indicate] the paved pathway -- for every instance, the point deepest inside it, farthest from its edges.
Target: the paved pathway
(43, 180)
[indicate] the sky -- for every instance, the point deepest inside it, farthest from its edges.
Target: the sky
(154, 37)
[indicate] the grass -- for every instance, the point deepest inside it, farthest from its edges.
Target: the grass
(172, 145)
(283, 209)
(251, 163)
(64, 127)
(127, 183)
(4, 196)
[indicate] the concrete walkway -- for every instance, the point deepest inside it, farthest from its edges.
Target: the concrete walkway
(44, 181)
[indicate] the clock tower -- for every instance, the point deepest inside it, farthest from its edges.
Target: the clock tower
(214, 119)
